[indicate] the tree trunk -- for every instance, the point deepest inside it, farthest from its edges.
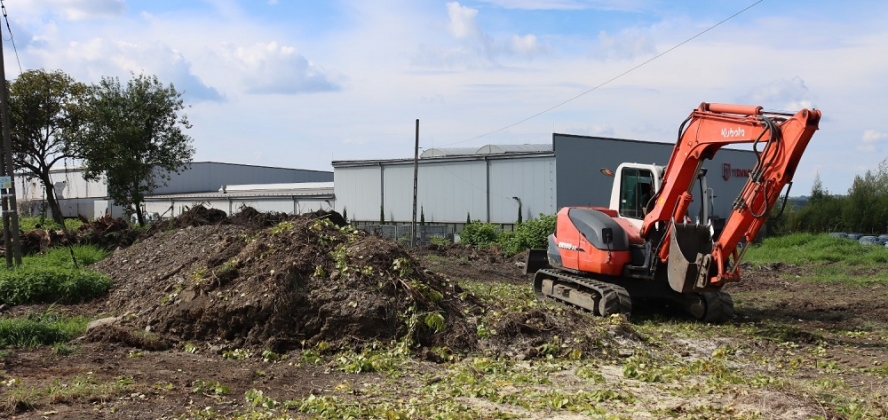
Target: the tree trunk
(51, 201)
(139, 216)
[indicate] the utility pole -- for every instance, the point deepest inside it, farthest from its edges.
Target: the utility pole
(7, 182)
(415, 178)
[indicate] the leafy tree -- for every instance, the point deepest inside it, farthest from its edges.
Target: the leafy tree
(822, 213)
(45, 110)
(134, 137)
(866, 209)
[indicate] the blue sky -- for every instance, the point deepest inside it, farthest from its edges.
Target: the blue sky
(298, 83)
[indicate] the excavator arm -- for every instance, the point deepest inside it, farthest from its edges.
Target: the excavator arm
(779, 139)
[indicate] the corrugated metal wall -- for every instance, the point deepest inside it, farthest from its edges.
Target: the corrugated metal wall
(210, 176)
(580, 159)
(448, 190)
(285, 204)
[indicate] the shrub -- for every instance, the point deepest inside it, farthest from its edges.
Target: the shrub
(482, 235)
(533, 233)
(47, 284)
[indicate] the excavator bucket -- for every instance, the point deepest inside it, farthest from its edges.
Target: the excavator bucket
(537, 259)
(690, 246)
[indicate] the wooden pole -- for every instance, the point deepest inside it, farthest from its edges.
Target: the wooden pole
(415, 179)
(10, 214)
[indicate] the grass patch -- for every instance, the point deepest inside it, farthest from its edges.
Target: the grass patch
(46, 223)
(829, 259)
(21, 397)
(40, 329)
(48, 284)
(61, 257)
(802, 248)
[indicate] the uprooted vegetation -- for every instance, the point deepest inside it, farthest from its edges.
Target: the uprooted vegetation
(298, 282)
(283, 283)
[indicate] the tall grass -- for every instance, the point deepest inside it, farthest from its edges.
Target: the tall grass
(38, 329)
(61, 257)
(35, 284)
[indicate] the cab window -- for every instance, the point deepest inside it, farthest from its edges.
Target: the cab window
(636, 189)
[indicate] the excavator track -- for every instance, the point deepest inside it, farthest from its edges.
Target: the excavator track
(599, 297)
(712, 307)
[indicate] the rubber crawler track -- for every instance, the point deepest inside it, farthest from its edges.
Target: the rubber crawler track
(612, 299)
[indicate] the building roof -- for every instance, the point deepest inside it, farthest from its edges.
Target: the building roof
(489, 149)
(301, 189)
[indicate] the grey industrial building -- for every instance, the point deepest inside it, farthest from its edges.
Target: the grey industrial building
(491, 182)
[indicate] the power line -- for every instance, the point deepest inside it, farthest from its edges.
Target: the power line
(612, 78)
(3, 7)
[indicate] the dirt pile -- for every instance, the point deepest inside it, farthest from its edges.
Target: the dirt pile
(298, 282)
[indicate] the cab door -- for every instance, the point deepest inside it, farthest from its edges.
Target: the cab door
(636, 189)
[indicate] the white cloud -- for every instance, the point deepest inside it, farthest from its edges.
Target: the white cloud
(99, 57)
(628, 44)
(77, 9)
(790, 95)
(476, 49)
(275, 68)
(462, 21)
(568, 4)
(525, 45)
(872, 139)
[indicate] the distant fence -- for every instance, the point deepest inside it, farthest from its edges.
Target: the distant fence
(401, 233)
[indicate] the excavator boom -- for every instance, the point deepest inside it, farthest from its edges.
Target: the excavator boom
(778, 139)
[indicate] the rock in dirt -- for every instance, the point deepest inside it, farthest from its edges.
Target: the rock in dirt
(101, 322)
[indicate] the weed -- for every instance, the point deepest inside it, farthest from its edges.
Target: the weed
(237, 354)
(281, 227)
(269, 356)
(256, 398)
(199, 275)
(209, 388)
(62, 349)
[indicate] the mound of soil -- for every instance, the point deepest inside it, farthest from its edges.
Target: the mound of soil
(296, 283)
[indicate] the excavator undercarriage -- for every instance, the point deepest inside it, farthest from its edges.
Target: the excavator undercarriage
(605, 297)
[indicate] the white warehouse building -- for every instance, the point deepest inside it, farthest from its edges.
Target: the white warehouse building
(223, 186)
(491, 183)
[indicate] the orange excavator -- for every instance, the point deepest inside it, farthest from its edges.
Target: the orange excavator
(646, 245)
